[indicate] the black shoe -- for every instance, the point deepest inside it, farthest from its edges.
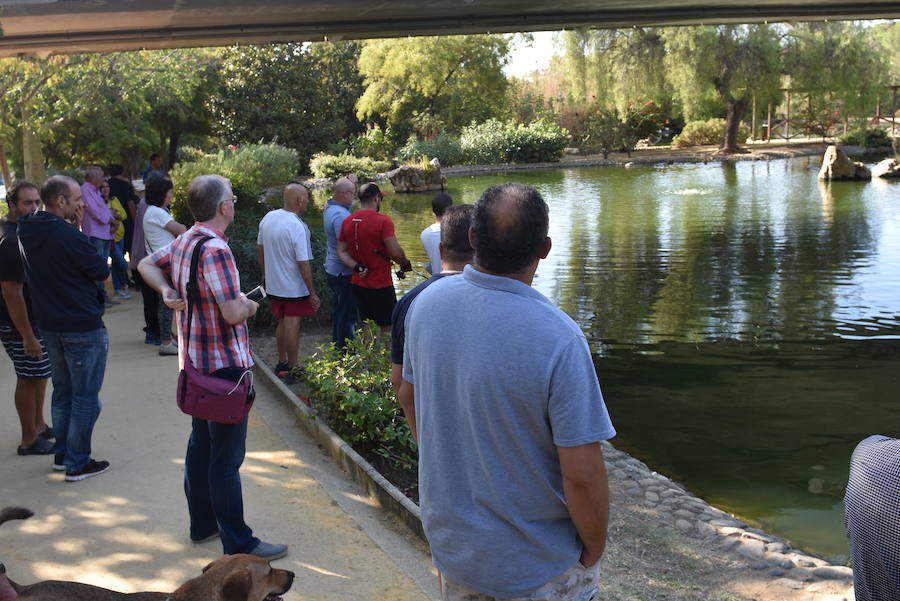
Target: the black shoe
(48, 433)
(280, 368)
(41, 446)
(93, 468)
(58, 462)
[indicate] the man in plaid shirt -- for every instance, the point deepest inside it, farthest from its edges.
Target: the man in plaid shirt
(219, 345)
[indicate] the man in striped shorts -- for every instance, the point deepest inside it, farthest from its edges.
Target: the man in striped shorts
(21, 340)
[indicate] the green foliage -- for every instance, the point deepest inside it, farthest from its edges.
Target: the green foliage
(446, 148)
(251, 169)
(353, 393)
(331, 166)
(871, 137)
(375, 143)
(701, 133)
(497, 142)
(445, 81)
(604, 132)
(341, 81)
(275, 93)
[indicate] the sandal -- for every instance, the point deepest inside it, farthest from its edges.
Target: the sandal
(41, 446)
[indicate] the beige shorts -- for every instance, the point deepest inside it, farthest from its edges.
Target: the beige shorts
(578, 583)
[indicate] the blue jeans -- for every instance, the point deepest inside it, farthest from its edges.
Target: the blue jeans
(343, 315)
(77, 363)
(212, 484)
(119, 266)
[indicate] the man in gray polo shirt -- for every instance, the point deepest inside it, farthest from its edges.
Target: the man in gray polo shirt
(509, 417)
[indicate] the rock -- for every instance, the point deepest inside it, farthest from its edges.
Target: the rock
(635, 492)
(776, 572)
(725, 523)
(683, 525)
(833, 572)
(756, 535)
(730, 531)
(759, 565)
(779, 560)
(728, 543)
(671, 492)
(887, 168)
(408, 178)
(751, 549)
(806, 561)
(665, 515)
(652, 497)
(800, 574)
(705, 529)
(786, 582)
(670, 501)
(836, 165)
(629, 164)
(648, 481)
(684, 513)
(776, 547)
(824, 586)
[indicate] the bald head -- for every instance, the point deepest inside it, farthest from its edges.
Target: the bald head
(296, 198)
(344, 191)
(509, 229)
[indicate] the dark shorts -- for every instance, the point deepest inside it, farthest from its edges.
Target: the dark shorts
(27, 368)
(376, 304)
(290, 307)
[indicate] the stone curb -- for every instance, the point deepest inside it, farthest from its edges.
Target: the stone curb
(672, 503)
(360, 471)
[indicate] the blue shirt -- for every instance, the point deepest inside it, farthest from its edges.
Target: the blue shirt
(332, 218)
(502, 377)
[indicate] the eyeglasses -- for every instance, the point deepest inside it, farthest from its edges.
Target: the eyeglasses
(232, 199)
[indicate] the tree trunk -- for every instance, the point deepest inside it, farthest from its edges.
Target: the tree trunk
(173, 148)
(32, 154)
(4, 166)
(732, 123)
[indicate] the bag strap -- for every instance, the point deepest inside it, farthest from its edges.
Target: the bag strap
(192, 289)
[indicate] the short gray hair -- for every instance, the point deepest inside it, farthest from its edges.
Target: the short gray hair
(93, 171)
(205, 194)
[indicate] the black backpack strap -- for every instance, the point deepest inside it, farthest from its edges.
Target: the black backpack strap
(192, 289)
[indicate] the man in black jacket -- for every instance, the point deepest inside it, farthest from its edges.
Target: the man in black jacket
(63, 269)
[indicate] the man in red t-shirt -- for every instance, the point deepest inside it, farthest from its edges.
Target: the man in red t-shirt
(367, 244)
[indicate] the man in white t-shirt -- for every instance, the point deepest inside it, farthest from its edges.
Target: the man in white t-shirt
(284, 252)
(431, 235)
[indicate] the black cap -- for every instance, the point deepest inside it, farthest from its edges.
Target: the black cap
(369, 191)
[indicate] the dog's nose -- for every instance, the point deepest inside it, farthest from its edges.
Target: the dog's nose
(290, 580)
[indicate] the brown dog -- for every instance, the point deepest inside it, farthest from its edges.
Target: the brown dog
(229, 578)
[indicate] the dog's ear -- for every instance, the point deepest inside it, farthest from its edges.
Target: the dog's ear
(14, 513)
(237, 585)
(208, 566)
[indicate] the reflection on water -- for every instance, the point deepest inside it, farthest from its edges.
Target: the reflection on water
(743, 318)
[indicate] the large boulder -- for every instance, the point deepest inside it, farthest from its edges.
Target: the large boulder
(887, 168)
(409, 178)
(836, 165)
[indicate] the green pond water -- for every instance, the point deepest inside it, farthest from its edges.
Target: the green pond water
(744, 320)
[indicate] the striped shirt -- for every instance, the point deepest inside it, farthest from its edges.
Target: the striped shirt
(872, 506)
(214, 344)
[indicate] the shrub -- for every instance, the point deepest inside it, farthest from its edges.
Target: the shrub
(872, 137)
(250, 169)
(497, 142)
(331, 166)
(446, 148)
(711, 131)
(375, 143)
(352, 391)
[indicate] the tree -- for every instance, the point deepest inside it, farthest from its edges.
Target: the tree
(339, 71)
(453, 80)
(275, 93)
(730, 62)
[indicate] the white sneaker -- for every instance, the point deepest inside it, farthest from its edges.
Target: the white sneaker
(123, 293)
(169, 349)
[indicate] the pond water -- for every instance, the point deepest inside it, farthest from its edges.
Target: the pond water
(744, 320)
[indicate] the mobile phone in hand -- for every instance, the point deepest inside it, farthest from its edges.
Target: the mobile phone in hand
(257, 294)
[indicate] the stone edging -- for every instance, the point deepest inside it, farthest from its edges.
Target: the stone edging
(360, 470)
(672, 503)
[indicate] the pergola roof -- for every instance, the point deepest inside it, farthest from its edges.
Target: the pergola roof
(68, 26)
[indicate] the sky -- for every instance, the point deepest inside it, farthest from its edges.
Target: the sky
(527, 58)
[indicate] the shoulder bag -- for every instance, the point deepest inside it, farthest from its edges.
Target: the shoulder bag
(207, 396)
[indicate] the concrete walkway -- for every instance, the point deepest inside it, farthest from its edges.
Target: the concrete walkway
(127, 529)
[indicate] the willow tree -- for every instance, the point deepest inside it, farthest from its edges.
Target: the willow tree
(730, 62)
(835, 63)
(441, 82)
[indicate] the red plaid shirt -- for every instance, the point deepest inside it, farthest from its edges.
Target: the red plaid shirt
(213, 343)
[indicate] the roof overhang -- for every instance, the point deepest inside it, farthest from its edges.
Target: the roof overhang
(69, 26)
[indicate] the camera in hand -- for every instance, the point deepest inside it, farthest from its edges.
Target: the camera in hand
(257, 294)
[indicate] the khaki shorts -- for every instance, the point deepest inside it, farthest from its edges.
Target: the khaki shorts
(578, 583)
